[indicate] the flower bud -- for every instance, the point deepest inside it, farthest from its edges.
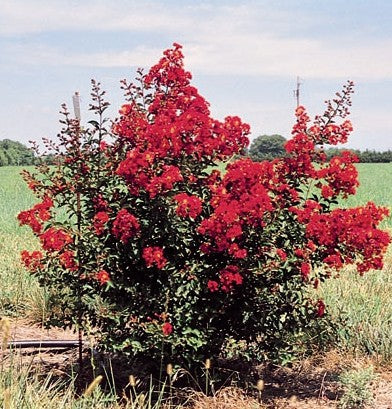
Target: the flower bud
(260, 385)
(132, 381)
(92, 386)
(207, 364)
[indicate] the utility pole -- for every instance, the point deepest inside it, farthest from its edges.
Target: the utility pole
(76, 105)
(296, 91)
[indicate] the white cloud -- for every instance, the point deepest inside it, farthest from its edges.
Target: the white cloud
(27, 16)
(39, 54)
(233, 40)
(264, 56)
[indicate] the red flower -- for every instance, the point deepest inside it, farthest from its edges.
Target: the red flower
(99, 222)
(100, 204)
(164, 182)
(305, 270)
(353, 231)
(212, 286)
(320, 308)
(38, 214)
(167, 328)
(125, 226)
(55, 239)
(229, 277)
(67, 260)
(282, 254)
(299, 253)
(181, 126)
(33, 260)
(326, 192)
(188, 206)
(334, 260)
(241, 254)
(103, 277)
(28, 217)
(154, 255)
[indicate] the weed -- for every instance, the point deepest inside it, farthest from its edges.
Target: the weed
(357, 388)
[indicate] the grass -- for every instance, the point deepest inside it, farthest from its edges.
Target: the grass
(14, 197)
(362, 307)
(27, 388)
(18, 287)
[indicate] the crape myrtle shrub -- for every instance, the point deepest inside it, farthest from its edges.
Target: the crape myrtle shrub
(146, 241)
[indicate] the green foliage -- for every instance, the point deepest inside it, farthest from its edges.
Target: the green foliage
(267, 147)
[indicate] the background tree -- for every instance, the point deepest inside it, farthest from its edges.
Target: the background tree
(267, 147)
(15, 153)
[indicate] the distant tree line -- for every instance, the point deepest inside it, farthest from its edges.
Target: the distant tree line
(264, 147)
(267, 147)
(13, 153)
(366, 156)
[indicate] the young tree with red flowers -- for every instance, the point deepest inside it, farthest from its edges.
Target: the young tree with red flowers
(163, 253)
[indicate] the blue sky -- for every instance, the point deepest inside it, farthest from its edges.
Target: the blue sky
(244, 57)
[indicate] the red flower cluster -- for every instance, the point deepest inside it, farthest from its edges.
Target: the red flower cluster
(282, 254)
(188, 206)
(334, 134)
(167, 329)
(304, 214)
(100, 204)
(305, 270)
(154, 255)
(320, 308)
(228, 278)
(165, 181)
(55, 239)
(67, 260)
(334, 261)
(136, 169)
(33, 260)
(240, 200)
(103, 277)
(37, 215)
(175, 125)
(353, 231)
(99, 222)
(125, 226)
(341, 176)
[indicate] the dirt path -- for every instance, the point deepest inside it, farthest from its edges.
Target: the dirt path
(23, 330)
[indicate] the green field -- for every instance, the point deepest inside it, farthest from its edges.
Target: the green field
(375, 185)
